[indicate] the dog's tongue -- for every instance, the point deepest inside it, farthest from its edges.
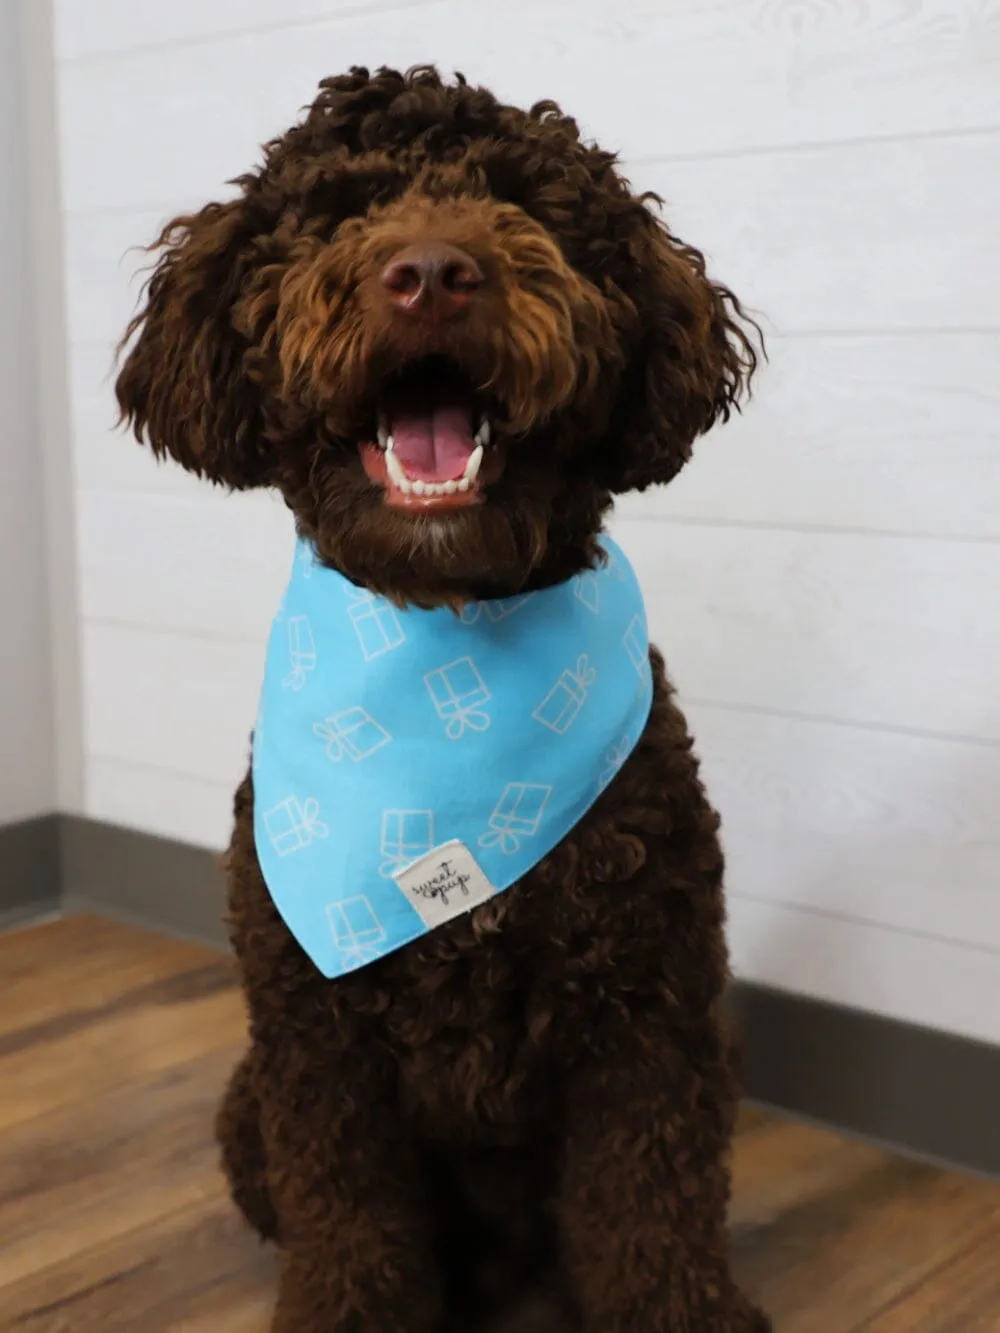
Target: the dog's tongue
(433, 444)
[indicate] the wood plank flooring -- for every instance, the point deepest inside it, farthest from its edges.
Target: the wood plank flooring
(114, 1045)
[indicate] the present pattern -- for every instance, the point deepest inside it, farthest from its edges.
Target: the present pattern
(498, 609)
(292, 825)
(357, 931)
(614, 567)
(353, 734)
(637, 644)
(587, 589)
(375, 623)
(307, 560)
(406, 836)
(561, 706)
(613, 761)
(518, 814)
(301, 652)
(459, 695)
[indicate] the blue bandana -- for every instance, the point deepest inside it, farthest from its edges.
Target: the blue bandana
(408, 765)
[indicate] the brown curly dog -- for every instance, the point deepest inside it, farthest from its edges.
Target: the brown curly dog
(533, 1102)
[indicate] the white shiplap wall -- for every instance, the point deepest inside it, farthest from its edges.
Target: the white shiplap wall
(27, 749)
(825, 578)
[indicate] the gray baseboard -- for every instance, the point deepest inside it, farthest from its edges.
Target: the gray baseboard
(30, 869)
(149, 881)
(929, 1093)
(918, 1091)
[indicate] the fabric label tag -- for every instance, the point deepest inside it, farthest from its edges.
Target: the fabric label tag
(444, 883)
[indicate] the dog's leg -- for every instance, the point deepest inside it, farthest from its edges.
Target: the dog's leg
(496, 1237)
(243, 1158)
(356, 1252)
(646, 1182)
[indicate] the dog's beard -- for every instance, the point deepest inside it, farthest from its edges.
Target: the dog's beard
(493, 549)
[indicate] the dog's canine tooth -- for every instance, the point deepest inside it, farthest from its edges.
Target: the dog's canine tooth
(395, 470)
(483, 433)
(463, 485)
(475, 462)
(384, 438)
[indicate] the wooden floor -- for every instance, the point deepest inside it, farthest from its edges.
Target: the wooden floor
(114, 1045)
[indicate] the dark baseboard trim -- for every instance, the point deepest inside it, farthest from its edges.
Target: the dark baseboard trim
(918, 1091)
(930, 1093)
(30, 870)
(148, 881)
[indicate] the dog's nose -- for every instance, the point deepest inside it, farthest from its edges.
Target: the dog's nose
(431, 278)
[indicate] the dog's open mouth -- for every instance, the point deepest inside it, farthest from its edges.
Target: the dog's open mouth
(433, 447)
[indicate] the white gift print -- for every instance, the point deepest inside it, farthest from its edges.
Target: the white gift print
(353, 732)
(459, 692)
(636, 644)
(614, 568)
(587, 589)
(496, 610)
(613, 761)
(406, 836)
(293, 824)
(301, 652)
(517, 814)
(561, 706)
(357, 931)
(375, 623)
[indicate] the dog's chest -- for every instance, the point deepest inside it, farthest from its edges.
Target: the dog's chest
(477, 1018)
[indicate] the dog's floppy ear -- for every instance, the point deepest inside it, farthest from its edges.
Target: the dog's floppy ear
(694, 358)
(182, 385)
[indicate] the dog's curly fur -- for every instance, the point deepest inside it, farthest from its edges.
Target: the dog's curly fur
(538, 1095)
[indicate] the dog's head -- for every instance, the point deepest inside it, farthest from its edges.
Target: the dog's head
(444, 328)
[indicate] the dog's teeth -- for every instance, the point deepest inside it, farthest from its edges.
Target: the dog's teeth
(384, 438)
(463, 485)
(449, 487)
(396, 473)
(483, 433)
(419, 487)
(473, 465)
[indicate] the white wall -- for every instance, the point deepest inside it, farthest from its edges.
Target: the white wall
(826, 577)
(27, 770)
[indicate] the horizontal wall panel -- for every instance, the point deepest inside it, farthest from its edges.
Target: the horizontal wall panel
(893, 829)
(105, 269)
(781, 228)
(170, 701)
(896, 434)
(168, 804)
(106, 458)
(645, 78)
(882, 630)
(84, 29)
(862, 237)
(931, 982)
(210, 563)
